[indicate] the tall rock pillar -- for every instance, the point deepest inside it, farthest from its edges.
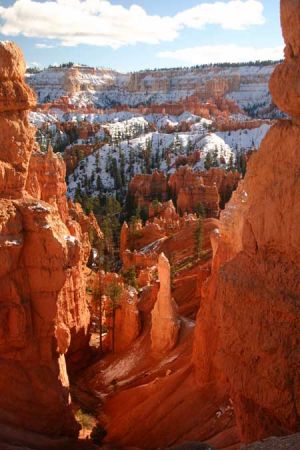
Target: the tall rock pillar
(165, 322)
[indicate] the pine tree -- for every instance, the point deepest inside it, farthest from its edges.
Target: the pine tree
(99, 184)
(177, 144)
(114, 291)
(131, 162)
(200, 211)
(189, 147)
(208, 161)
(230, 165)
(215, 158)
(122, 166)
(130, 277)
(78, 194)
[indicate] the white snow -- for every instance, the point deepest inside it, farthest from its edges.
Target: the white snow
(39, 208)
(244, 139)
(13, 242)
(72, 239)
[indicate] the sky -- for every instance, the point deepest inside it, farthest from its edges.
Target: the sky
(131, 35)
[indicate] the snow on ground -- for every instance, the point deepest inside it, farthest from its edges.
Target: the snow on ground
(96, 172)
(242, 140)
(134, 149)
(164, 150)
(131, 127)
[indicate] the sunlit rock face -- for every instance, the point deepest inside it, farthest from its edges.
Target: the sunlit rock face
(165, 322)
(248, 330)
(43, 252)
(16, 136)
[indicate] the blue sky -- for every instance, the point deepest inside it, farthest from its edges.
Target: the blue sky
(132, 35)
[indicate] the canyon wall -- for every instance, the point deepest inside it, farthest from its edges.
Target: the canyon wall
(105, 88)
(43, 253)
(247, 333)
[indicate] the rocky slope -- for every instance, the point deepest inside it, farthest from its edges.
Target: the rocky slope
(43, 311)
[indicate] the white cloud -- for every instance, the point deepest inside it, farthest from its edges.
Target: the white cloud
(210, 54)
(98, 22)
(234, 15)
(44, 45)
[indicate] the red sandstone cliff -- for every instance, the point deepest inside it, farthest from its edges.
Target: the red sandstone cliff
(43, 253)
(248, 326)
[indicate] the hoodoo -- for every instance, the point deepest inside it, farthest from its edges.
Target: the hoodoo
(165, 323)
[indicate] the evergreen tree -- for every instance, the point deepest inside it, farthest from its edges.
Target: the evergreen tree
(200, 211)
(113, 291)
(131, 162)
(99, 184)
(189, 147)
(230, 165)
(115, 172)
(147, 156)
(122, 166)
(177, 144)
(208, 161)
(78, 194)
(130, 277)
(215, 158)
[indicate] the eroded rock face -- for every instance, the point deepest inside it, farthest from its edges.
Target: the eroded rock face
(284, 83)
(46, 180)
(146, 188)
(165, 323)
(212, 189)
(16, 136)
(42, 300)
(248, 331)
(120, 316)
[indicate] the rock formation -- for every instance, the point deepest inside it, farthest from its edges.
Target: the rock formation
(73, 154)
(120, 316)
(16, 136)
(46, 180)
(163, 91)
(191, 191)
(124, 239)
(284, 84)
(226, 182)
(248, 326)
(146, 188)
(42, 302)
(128, 322)
(212, 189)
(165, 323)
